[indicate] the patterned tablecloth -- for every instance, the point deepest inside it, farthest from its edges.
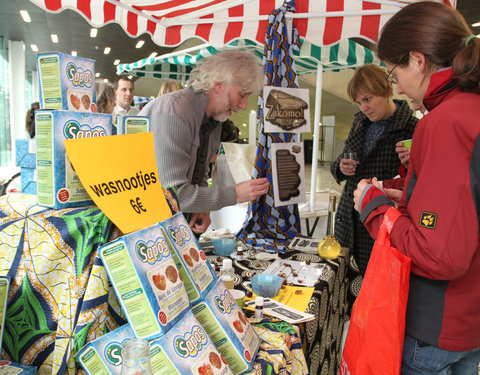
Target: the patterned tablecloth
(60, 296)
(322, 337)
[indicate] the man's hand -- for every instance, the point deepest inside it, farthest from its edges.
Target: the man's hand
(251, 189)
(199, 222)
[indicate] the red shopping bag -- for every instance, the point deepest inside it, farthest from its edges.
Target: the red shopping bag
(374, 341)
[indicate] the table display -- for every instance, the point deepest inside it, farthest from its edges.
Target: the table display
(323, 335)
(60, 297)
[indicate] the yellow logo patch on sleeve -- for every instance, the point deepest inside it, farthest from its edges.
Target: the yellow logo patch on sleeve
(428, 220)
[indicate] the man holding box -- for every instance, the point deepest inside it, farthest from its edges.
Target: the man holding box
(187, 126)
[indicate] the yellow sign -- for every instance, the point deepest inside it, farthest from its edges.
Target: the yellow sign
(120, 175)
(296, 297)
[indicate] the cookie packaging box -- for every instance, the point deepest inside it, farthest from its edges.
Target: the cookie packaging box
(189, 350)
(134, 124)
(197, 274)
(13, 368)
(66, 82)
(228, 327)
(146, 280)
(58, 186)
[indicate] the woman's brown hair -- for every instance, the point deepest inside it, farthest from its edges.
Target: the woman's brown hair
(440, 33)
(369, 79)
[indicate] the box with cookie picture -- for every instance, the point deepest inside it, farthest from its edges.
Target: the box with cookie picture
(146, 280)
(228, 327)
(188, 349)
(196, 272)
(66, 82)
(58, 185)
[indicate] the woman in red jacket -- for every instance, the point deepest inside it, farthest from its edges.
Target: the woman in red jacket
(432, 56)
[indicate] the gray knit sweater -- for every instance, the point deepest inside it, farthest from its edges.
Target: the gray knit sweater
(176, 119)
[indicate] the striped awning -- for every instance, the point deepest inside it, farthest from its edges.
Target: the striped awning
(219, 22)
(343, 55)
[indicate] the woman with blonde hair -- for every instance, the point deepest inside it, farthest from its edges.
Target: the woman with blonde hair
(169, 86)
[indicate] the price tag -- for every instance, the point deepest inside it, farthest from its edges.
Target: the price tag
(120, 175)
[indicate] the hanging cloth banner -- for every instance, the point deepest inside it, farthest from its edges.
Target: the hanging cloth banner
(267, 227)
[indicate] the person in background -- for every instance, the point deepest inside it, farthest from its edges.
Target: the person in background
(105, 96)
(377, 127)
(30, 119)
(433, 57)
(169, 86)
(186, 125)
(124, 93)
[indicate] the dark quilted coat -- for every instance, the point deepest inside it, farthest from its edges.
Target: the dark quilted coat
(382, 162)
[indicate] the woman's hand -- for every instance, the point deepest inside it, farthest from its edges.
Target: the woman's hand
(358, 192)
(348, 166)
(403, 153)
(394, 195)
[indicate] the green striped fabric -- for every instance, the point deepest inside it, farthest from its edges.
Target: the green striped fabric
(346, 54)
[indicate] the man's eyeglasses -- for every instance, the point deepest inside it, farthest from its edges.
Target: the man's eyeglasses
(391, 78)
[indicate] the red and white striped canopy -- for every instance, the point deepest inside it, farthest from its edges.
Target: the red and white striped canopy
(170, 22)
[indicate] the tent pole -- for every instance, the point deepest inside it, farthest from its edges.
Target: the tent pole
(316, 136)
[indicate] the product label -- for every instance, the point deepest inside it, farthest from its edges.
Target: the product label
(44, 135)
(160, 362)
(93, 363)
(130, 290)
(136, 125)
(49, 71)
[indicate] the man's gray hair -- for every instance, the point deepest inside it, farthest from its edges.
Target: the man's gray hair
(227, 67)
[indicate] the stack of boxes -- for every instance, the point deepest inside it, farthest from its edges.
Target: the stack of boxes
(172, 297)
(165, 285)
(68, 106)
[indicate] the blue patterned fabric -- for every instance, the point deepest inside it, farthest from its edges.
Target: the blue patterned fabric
(268, 227)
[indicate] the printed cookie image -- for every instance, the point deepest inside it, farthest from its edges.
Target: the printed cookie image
(238, 326)
(205, 369)
(75, 101)
(194, 254)
(188, 260)
(86, 102)
(288, 175)
(242, 317)
(159, 281)
(172, 274)
(215, 360)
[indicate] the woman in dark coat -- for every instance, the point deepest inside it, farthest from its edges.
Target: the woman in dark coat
(379, 125)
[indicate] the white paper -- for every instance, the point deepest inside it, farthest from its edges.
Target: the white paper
(298, 273)
(279, 310)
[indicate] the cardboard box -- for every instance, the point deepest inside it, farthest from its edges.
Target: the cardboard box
(58, 186)
(66, 82)
(228, 327)
(146, 281)
(25, 153)
(197, 274)
(28, 178)
(103, 356)
(12, 368)
(4, 288)
(188, 350)
(134, 124)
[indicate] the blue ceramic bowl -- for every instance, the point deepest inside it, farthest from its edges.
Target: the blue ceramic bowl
(266, 285)
(223, 246)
